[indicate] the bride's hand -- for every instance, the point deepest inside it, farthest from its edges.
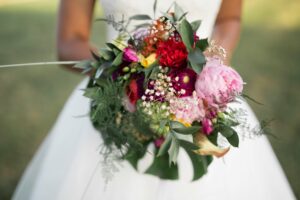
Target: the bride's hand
(74, 26)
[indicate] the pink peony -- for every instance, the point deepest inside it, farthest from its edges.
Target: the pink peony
(187, 109)
(218, 84)
(130, 55)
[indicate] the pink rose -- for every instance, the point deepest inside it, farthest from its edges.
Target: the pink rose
(218, 84)
(130, 55)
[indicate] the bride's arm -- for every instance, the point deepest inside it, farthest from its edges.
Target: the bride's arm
(227, 28)
(74, 25)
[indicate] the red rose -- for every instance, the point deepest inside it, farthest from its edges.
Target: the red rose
(172, 53)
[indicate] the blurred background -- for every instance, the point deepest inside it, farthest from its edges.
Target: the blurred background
(268, 57)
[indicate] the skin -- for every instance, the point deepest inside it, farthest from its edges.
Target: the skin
(75, 21)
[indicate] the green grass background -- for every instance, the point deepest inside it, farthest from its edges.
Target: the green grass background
(268, 58)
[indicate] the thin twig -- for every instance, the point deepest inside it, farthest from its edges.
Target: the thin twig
(40, 63)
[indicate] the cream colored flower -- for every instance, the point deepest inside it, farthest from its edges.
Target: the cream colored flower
(208, 148)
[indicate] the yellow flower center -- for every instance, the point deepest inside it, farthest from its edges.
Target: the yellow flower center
(186, 79)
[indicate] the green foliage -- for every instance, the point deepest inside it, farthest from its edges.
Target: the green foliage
(196, 59)
(187, 34)
(202, 44)
(195, 25)
(179, 128)
(140, 17)
(161, 168)
(200, 164)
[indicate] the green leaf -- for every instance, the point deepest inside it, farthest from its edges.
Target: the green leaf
(230, 134)
(91, 93)
(213, 137)
(189, 146)
(195, 25)
(187, 34)
(202, 44)
(99, 72)
(161, 168)
(142, 25)
(187, 130)
(95, 56)
(200, 164)
(178, 12)
(234, 140)
(154, 7)
(197, 60)
(176, 124)
(133, 156)
(118, 60)
(106, 54)
(165, 146)
(83, 64)
(140, 17)
(173, 150)
(226, 131)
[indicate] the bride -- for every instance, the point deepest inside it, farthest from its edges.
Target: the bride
(68, 164)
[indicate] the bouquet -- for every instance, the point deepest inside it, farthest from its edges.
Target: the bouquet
(161, 85)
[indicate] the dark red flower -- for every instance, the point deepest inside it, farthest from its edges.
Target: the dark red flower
(135, 89)
(183, 81)
(172, 53)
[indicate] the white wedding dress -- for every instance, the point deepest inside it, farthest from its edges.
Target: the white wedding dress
(68, 164)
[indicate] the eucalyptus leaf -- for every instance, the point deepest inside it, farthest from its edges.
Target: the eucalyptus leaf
(197, 60)
(187, 130)
(178, 11)
(195, 25)
(176, 124)
(182, 16)
(142, 25)
(187, 34)
(140, 17)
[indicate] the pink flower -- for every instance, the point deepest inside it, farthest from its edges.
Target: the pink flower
(159, 141)
(130, 55)
(207, 126)
(187, 109)
(218, 84)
